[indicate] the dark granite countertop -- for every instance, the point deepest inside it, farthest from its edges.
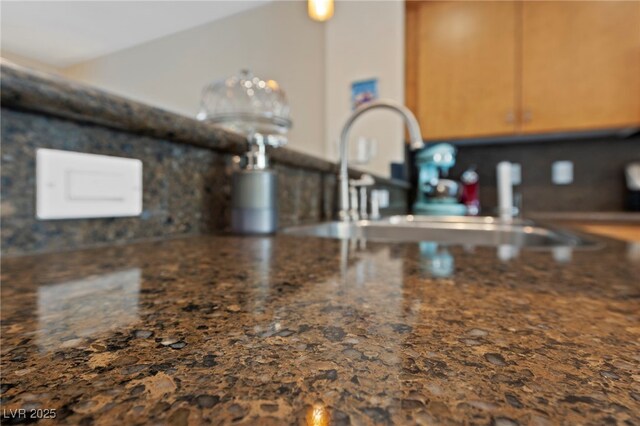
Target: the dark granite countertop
(285, 330)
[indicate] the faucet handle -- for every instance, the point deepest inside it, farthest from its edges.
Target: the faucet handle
(353, 203)
(375, 205)
(364, 180)
(358, 196)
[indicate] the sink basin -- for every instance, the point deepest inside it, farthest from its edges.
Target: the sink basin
(453, 230)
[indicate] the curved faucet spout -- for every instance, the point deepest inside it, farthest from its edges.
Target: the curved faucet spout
(414, 134)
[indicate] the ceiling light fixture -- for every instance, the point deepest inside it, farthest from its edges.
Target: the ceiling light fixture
(320, 10)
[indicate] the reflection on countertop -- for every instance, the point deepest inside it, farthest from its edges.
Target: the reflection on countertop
(69, 311)
(316, 331)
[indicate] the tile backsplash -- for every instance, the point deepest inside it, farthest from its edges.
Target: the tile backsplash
(598, 168)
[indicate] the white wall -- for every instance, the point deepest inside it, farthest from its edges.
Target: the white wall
(28, 62)
(276, 41)
(314, 62)
(365, 39)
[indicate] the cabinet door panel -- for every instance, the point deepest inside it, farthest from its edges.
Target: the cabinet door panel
(581, 65)
(465, 82)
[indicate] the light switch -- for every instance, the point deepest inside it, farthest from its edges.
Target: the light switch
(96, 186)
(72, 185)
(366, 150)
(562, 172)
(383, 198)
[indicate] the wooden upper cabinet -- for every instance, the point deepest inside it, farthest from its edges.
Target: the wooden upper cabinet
(461, 67)
(494, 68)
(580, 65)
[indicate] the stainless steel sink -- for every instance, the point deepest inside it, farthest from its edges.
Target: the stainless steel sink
(453, 230)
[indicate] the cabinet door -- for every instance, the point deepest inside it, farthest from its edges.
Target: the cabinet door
(461, 67)
(581, 65)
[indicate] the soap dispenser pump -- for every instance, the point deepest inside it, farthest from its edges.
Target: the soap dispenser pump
(257, 109)
(254, 194)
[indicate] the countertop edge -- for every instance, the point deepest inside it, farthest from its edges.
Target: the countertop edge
(596, 217)
(31, 90)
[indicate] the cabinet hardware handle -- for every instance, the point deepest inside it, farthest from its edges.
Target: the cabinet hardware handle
(510, 118)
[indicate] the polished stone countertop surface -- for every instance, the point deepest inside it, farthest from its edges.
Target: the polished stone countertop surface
(288, 330)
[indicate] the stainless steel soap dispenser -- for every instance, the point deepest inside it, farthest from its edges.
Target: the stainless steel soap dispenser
(257, 109)
(254, 195)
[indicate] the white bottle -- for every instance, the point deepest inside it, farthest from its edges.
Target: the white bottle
(505, 191)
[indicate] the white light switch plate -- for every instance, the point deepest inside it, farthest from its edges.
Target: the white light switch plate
(366, 150)
(73, 185)
(562, 172)
(383, 198)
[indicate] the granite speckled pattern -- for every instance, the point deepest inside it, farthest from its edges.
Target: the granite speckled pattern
(186, 167)
(285, 330)
(186, 189)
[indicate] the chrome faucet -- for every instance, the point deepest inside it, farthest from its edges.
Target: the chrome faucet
(343, 177)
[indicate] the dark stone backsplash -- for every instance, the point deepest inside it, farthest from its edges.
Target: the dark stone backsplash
(187, 167)
(598, 171)
(186, 188)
